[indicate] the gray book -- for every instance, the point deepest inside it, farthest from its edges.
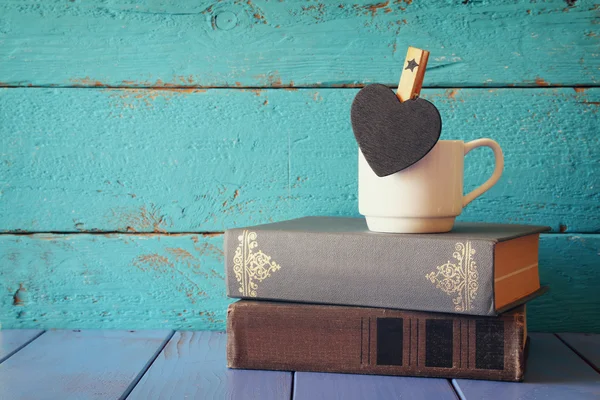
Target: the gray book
(476, 269)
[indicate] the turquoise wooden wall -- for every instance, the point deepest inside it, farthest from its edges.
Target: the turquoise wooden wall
(132, 133)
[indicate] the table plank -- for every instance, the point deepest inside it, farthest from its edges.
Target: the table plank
(80, 364)
(206, 160)
(586, 344)
(193, 365)
(296, 43)
(12, 340)
(553, 372)
(326, 386)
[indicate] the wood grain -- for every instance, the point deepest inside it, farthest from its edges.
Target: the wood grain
(11, 341)
(177, 281)
(192, 365)
(553, 372)
(586, 344)
(80, 364)
(192, 160)
(569, 272)
(113, 281)
(317, 386)
(295, 43)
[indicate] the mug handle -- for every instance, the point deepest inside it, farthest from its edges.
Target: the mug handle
(497, 169)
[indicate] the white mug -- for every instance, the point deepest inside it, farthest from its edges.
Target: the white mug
(425, 197)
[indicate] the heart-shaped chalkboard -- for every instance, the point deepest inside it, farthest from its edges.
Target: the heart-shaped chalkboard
(393, 135)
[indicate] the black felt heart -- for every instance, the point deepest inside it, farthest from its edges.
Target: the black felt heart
(393, 135)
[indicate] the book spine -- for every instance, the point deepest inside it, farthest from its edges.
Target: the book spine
(388, 271)
(318, 338)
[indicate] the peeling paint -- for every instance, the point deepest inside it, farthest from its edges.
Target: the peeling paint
(87, 81)
(141, 219)
(179, 253)
(451, 93)
(540, 82)
(152, 261)
(373, 8)
(562, 228)
(210, 234)
(183, 266)
(133, 98)
(19, 296)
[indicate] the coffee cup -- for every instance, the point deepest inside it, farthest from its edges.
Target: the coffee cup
(425, 197)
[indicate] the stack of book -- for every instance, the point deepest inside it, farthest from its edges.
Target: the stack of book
(326, 294)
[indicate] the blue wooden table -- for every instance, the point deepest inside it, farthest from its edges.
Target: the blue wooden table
(109, 364)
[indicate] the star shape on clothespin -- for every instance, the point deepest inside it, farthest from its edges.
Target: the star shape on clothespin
(411, 65)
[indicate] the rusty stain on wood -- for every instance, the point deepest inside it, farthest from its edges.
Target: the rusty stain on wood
(153, 261)
(132, 98)
(540, 82)
(579, 89)
(209, 234)
(374, 7)
(87, 81)
(209, 315)
(18, 297)
(164, 266)
(562, 228)
(210, 249)
(273, 79)
(451, 93)
(179, 253)
(141, 219)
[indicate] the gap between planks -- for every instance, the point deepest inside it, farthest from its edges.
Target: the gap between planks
(185, 233)
(21, 347)
(331, 86)
(146, 367)
(455, 388)
(574, 350)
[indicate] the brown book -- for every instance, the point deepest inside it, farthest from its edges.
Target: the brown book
(324, 338)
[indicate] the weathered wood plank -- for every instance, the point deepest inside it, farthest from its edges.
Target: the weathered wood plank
(177, 281)
(12, 341)
(80, 365)
(297, 43)
(189, 161)
(553, 372)
(569, 266)
(193, 366)
(586, 344)
(113, 281)
(317, 386)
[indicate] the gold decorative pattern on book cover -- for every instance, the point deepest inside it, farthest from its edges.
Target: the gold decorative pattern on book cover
(459, 278)
(251, 265)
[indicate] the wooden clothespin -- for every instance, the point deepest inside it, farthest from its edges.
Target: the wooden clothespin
(393, 133)
(413, 71)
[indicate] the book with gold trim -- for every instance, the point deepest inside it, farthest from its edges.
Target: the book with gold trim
(323, 338)
(476, 269)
